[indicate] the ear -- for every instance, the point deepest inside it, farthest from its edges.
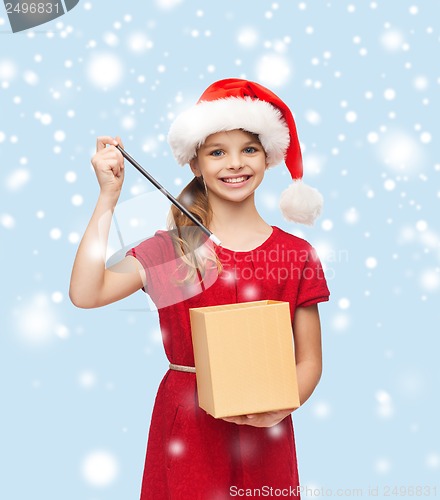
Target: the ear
(266, 160)
(194, 165)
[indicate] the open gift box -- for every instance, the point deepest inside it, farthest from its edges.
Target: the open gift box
(244, 358)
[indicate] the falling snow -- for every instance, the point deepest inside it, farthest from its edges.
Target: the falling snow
(351, 216)
(87, 379)
(385, 408)
(105, 70)
(382, 466)
(247, 37)
(273, 70)
(176, 448)
(8, 70)
(340, 322)
(7, 221)
(392, 40)
(17, 179)
(433, 461)
(139, 43)
(400, 151)
(35, 320)
(321, 410)
(30, 77)
(371, 262)
(100, 468)
(168, 4)
(313, 117)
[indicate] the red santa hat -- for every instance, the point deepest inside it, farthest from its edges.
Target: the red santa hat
(240, 104)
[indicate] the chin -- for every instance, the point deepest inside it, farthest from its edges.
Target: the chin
(238, 198)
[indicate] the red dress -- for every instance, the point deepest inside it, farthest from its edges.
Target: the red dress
(190, 455)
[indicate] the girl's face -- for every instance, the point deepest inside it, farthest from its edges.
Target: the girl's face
(232, 164)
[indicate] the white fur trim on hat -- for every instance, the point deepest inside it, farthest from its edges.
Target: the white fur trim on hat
(301, 203)
(191, 128)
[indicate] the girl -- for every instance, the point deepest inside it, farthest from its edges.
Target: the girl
(234, 133)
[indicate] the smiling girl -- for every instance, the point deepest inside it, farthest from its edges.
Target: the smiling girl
(236, 131)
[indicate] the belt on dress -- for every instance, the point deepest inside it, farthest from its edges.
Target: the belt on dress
(181, 368)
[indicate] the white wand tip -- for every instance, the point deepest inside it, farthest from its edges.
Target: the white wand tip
(214, 238)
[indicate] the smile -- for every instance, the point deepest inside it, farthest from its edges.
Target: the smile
(235, 180)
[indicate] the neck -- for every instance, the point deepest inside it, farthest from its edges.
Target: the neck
(237, 218)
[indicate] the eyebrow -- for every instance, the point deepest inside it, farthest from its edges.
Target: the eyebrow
(220, 145)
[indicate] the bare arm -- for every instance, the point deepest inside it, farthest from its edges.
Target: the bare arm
(308, 351)
(91, 284)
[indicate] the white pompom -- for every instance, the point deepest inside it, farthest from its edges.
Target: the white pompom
(301, 203)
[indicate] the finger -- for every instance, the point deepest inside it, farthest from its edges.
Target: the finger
(103, 140)
(111, 156)
(119, 141)
(115, 153)
(232, 420)
(117, 171)
(110, 153)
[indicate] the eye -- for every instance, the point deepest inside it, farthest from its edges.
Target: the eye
(250, 150)
(217, 152)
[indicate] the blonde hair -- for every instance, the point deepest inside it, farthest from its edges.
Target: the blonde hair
(188, 245)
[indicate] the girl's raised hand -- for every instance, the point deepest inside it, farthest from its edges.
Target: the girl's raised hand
(108, 163)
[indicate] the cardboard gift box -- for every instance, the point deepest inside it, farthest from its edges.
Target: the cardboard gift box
(244, 358)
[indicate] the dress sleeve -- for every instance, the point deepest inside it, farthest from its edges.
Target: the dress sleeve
(313, 285)
(153, 253)
(164, 271)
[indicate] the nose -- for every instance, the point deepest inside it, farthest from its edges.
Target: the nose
(236, 161)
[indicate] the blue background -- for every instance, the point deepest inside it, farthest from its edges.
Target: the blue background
(362, 78)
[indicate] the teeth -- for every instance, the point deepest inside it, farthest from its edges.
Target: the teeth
(237, 179)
